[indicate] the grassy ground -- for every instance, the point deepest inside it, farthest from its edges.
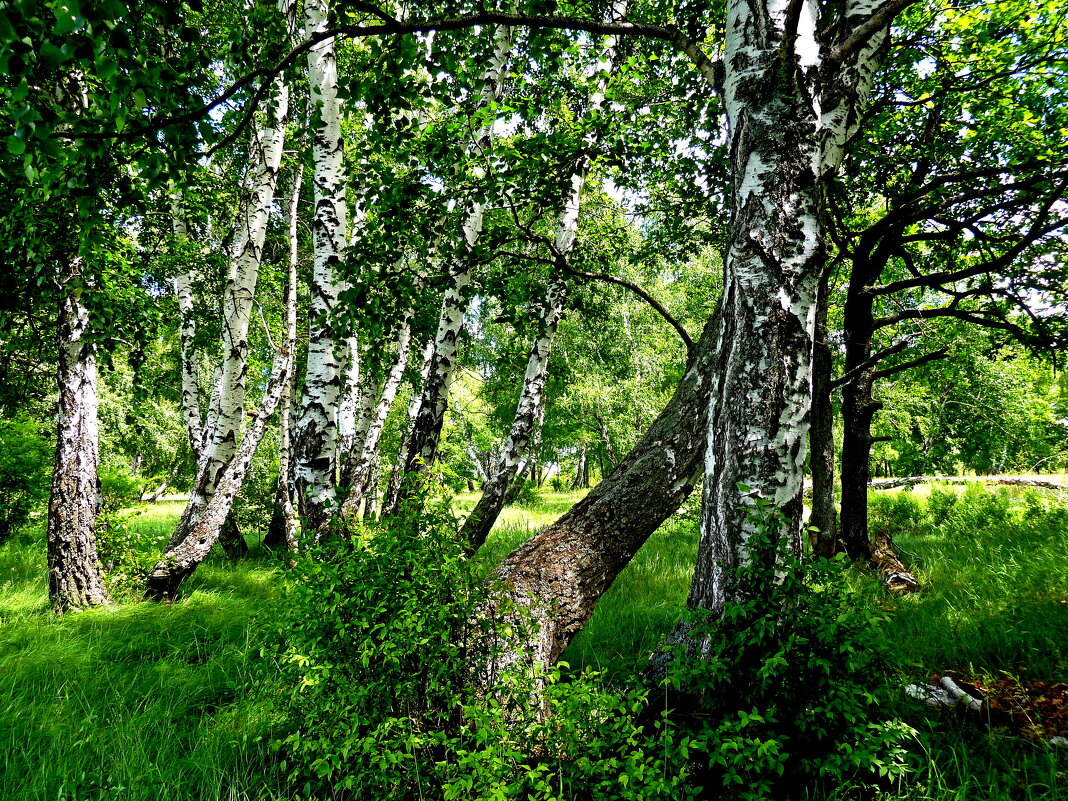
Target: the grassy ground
(144, 701)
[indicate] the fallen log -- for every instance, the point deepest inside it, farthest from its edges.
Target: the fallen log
(910, 481)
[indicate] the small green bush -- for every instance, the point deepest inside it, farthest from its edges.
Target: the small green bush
(789, 682)
(371, 675)
(900, 512)
(25, 471)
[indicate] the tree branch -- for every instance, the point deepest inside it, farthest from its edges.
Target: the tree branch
(941, 353)
(637, 290)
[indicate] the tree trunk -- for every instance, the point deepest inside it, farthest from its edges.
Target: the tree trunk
(560, 573)
(75, 579)
(823, 520)
(530, 411)
(426, 433)
(315, 434)
(528, 416)
(391, 500)
(227, 413)
(283, 533)
(183, 285)
(179, 562)
(364, 460)
(232, 540)
(792, 102)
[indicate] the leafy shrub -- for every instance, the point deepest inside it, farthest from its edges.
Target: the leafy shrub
(128, 549)
(370, 652)
(119, 486)
(25, 469)
(789, 681)
(370, 673)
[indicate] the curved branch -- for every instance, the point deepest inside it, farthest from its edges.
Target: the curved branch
(388, 26)
(637, 290)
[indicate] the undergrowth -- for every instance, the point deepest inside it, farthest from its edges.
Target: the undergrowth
(172, 702)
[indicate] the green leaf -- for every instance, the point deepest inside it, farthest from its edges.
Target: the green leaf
(15, 145)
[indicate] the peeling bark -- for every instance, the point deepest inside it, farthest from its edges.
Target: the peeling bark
(792, 104)
(315, 433)
(75, 579)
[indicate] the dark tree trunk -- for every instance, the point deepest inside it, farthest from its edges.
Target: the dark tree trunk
(561, 572)
(75, 579)
(821, 436)
(232, 540)
(858, 405)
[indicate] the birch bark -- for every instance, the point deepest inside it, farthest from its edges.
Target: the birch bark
(792, 104)
(530, 410)
(426, 433)
(75, 579)
(227, 412)
(315, 433)
(363, 457)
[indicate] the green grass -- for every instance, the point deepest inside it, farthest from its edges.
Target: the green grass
(137, 701)
(142, 701)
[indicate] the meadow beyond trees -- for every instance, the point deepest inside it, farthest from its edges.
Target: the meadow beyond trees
(302, 304)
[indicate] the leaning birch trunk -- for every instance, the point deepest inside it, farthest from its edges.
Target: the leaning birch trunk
(426, 433)
(791, 100)
(179, 562)
(75, 579)
(525, 425)
(559, 575)
(531, 407)
(227, 413)
(283, 496)
(391, 500)
(315, 433)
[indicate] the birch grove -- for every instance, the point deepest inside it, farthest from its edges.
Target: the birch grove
(423, 440)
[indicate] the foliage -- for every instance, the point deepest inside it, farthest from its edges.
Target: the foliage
(25, 467)
(789, 682)
(369, 651)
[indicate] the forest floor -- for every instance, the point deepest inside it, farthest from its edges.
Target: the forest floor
(143, 701)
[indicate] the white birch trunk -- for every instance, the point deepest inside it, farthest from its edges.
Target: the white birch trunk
(227, 413)
(392, 499)
(180, 560)
(785, 140)
(75, 579)
(363, 459)
(526, 425)
(183, 285)
(284, 489)
(315, 434)
(426, 433)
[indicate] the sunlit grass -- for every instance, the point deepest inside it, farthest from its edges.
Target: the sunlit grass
(147, 701)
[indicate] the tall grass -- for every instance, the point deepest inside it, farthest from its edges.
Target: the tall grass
(144, 701)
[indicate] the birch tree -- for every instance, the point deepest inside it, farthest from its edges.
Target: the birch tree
(221, 431)
(522, 438)
(422, 444)
(75, 579)
(315, 432)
